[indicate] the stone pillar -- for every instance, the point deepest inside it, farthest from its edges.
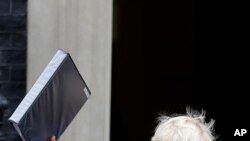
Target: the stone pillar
(83, 28)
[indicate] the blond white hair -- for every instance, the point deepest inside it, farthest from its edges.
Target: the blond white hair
(190, 127)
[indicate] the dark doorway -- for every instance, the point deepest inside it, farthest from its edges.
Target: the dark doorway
(167, 56)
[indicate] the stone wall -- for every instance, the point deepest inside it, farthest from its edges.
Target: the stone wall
(12, 56)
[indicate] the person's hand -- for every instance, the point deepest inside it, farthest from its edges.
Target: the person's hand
(53, 138)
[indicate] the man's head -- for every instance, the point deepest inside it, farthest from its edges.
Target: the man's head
(191, 127)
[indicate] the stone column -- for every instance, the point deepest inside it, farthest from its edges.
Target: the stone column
(83, 28)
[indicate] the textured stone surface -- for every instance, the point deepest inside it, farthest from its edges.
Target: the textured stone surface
(12, 23)
(4, 73)
(18, 73)
(19, 40)
(4, 40)
(12, 58)
(4, 6)
(19, 6)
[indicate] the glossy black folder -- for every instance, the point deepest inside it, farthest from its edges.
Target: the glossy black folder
(53, 101)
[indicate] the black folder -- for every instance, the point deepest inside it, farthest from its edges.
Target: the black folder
(52, 102)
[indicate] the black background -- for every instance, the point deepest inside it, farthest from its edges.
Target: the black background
(172, 52)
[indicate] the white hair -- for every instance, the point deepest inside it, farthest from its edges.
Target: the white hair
(190, 127)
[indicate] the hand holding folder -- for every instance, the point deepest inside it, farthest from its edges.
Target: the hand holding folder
(53, 101)
(53, 138)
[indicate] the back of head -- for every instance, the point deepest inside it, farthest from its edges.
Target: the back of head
(190, 127)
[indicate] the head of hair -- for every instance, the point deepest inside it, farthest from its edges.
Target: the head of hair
(190, 127)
